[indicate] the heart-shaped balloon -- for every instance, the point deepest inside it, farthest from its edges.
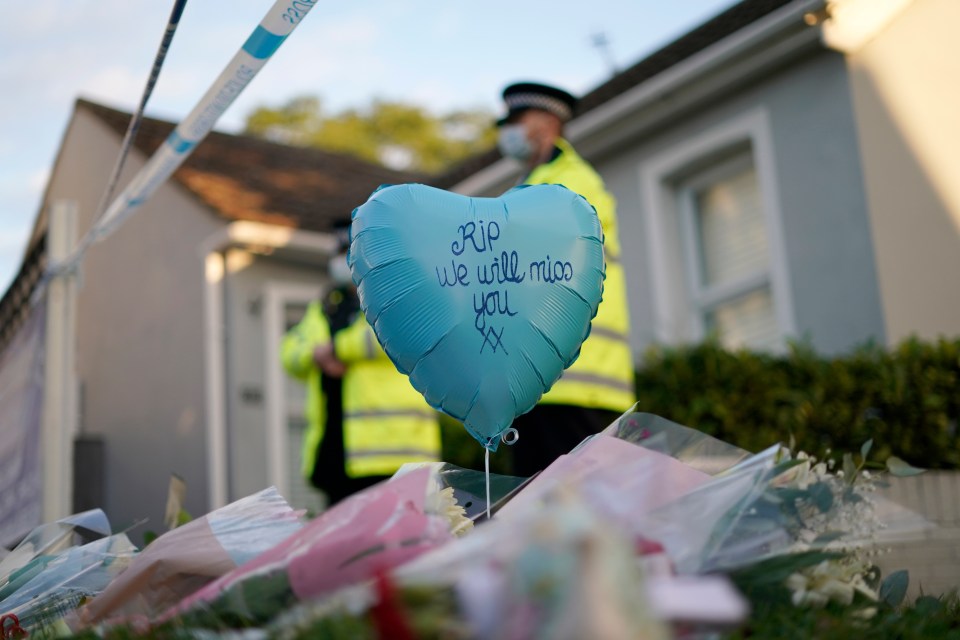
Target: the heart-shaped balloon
(482, 302)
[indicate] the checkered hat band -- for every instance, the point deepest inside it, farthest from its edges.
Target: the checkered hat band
(539, 101)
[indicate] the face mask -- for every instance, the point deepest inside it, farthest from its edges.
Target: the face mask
(512, 142)
(339, 270)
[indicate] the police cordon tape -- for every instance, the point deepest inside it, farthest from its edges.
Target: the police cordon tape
(272, 31)
(134, 124)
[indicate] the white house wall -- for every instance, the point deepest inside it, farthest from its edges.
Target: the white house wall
(139, 332)
(824, 225)
(907, 98)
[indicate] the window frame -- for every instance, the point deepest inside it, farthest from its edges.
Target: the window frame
(678, 305)
(705, 297)
(276, 296)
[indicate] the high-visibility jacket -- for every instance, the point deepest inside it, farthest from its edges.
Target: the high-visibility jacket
(296, 354)
(386, 422)
(603, 376)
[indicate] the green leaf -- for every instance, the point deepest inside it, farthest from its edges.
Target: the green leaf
(849, 468)
(828, 536)
(783, 467)
(901, 469)
(928, 605)
(822, 496)
(183, 517)
(865, 449)
(893, 589)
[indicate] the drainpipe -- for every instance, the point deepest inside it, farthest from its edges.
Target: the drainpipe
(264, 238)
(215, 378)
(60, 381)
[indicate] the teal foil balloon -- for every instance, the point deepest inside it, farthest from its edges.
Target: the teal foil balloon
(482, 302)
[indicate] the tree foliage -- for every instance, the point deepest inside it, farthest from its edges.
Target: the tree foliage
(395, 134)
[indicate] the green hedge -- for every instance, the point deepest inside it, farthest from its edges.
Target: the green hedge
(906, 399)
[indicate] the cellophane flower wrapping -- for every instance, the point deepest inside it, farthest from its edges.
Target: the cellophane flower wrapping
(374, 530)
(185, 559)
(777, 516)
(563, 572)
(47, 540)
(693, 448)
(50, 587)
(468, 486)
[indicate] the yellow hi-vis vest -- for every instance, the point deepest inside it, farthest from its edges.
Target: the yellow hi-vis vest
(386, 422)
(603, 375)
(296, 354)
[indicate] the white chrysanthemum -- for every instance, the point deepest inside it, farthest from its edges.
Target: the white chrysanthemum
(444, 503)
(831, 580)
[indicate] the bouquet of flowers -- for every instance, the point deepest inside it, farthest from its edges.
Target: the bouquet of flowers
(372, 531)
(555, 561)
(51, 586)
(643, 531)
(776, 518)
(49, 539)
(186, 558)
(58, 565)
(559, 573)
(468, 486)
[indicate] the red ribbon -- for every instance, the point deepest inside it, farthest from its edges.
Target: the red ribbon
(388, 615)
(11, 631)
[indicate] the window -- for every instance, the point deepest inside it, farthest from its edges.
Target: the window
(728, 255)
(714, 242)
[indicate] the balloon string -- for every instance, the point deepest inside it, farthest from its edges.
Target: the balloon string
(486, 464)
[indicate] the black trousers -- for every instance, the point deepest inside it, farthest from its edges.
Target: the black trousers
(550, 430)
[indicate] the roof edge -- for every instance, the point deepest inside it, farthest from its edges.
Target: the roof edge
(269, 236)
(771, 39)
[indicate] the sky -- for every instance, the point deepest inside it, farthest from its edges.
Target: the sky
(443, 55)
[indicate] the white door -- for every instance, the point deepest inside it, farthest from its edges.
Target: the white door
(285, 304)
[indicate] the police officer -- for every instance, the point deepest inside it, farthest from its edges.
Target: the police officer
(599, 386)
(364, 418)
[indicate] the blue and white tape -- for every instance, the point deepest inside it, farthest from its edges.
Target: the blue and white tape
(279, 22)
